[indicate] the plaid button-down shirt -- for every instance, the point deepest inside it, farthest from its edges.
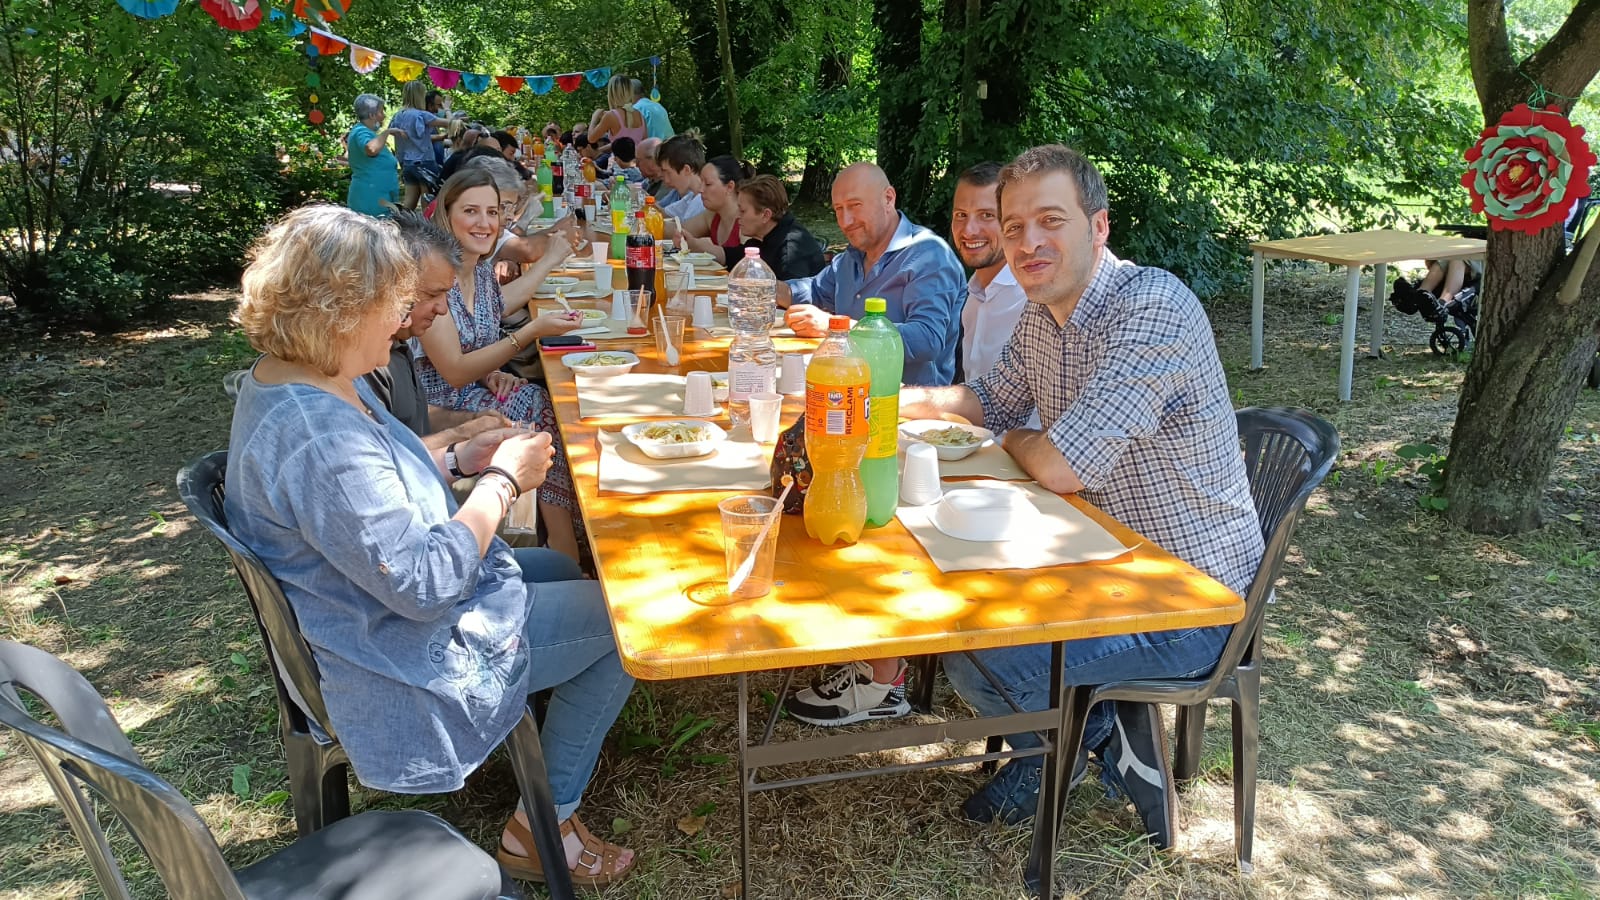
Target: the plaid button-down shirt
(1136, 401)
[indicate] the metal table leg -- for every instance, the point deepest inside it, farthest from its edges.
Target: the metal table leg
(744, 786)
(1380, 277)
(1257, 307)
(1039, 873)
(1347, 345)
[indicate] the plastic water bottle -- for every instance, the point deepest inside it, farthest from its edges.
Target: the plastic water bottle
(836, 437)
(878, 342)
(752, 362)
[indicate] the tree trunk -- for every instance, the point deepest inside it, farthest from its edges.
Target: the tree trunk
(900, 83)
(729, 84)
(1535, 340)
(1528, 364)
(822, 157)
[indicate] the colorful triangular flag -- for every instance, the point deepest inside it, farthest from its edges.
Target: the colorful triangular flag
(405, 69)
(445, 79)
(364, 59)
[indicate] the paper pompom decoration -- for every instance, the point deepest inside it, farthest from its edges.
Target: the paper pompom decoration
(1528, 169)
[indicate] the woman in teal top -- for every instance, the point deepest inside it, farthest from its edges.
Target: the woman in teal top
(374, 174)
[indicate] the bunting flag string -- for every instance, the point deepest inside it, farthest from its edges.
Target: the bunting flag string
(245, 15)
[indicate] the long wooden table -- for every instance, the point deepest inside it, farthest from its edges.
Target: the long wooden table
(881, 597)
(1353, 250)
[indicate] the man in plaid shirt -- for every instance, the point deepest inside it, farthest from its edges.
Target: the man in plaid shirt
(1120, 363)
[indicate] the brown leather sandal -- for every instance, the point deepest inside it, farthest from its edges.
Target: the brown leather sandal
(595, 853)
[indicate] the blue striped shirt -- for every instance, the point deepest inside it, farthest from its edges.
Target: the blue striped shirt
(1138, 405)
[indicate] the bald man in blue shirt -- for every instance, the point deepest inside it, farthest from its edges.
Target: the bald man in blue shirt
(910, 267)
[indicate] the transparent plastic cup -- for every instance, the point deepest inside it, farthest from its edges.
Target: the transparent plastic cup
(742, 521)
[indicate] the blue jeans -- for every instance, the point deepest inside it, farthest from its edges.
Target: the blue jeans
(1025, 671)
(571, 649)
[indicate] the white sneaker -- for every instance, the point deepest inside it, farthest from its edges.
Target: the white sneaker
(848, 695)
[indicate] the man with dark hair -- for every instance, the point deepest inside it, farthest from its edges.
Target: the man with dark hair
(396, 385)
(1120, 362)
(434, 101)
(485, 147)
(508, 152)
(994, 300)
(622, 160)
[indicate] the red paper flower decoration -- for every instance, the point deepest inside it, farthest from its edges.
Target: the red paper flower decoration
(1528, 169)
(234, 16)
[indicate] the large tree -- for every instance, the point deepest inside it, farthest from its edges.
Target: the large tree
(1541, 306)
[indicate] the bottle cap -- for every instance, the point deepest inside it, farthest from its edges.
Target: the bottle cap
(877, 304)
(752, 252)
(649, 201)
(838, 323)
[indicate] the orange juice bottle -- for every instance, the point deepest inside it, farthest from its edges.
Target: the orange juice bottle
(836, 437)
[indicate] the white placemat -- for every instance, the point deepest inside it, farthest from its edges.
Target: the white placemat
(633, 395)
(738, 464)
(1064, 536)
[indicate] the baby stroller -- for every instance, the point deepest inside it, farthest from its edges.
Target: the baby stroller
(1453, 324)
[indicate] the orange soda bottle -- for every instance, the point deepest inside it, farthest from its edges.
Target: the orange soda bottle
(837, 381)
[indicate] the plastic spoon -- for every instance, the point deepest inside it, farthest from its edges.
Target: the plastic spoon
(749, 564)
(561, 298)
(666, 339)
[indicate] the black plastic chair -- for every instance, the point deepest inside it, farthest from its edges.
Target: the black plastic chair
(409, 853)
(1288, 452)
(317, 764)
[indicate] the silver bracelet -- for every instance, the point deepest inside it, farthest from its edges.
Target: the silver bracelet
(502, 490)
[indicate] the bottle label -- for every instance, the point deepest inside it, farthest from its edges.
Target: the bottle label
(747, 378)
(836, 410)
(641, 256)
(883, 425)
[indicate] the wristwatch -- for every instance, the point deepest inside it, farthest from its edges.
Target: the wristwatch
(450, 462)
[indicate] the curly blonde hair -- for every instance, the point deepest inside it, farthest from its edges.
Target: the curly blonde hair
(315, 275)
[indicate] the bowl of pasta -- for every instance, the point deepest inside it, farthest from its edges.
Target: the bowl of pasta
(600, 363)
(951, 440)
(677, 439)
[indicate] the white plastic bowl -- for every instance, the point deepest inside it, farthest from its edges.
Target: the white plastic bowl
(594, 316)
(576, 362)
(914, 430)
(990, 513)
(658, 450)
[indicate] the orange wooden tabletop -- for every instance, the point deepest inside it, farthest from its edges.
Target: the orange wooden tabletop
(659, 555)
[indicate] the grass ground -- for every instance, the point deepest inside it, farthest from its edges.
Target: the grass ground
(1430, 725)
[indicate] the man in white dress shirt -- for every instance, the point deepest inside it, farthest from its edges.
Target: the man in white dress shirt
(994, 299)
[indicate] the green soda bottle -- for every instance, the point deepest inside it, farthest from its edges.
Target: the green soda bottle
(878, 342)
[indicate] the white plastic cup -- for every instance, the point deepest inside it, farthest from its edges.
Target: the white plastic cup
(792, 374)
(705, 317)
(621, 307)
(919, 479)
(766, 413)
(697, 400)
(602, 258)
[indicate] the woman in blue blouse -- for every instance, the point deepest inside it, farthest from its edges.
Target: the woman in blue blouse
(374, 174)
(429, 631)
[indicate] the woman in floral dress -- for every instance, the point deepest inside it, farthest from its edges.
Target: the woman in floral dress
(461, 355)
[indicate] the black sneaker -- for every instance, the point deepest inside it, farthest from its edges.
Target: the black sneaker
(1136, 760)
(848, 695)
(1012, 795)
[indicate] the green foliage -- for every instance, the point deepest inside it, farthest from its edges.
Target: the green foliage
(139, 160)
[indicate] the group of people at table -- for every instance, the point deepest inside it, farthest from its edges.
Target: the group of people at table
(431, 632)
